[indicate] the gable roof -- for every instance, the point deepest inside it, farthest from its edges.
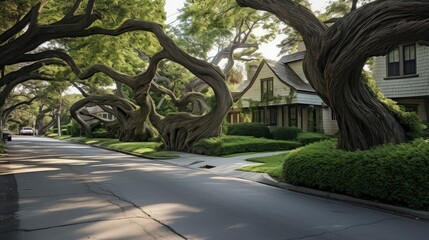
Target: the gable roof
(288, 76)
(283, 72)
(293, 57)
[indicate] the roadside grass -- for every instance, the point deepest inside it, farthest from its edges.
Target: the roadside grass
(149, 149)
(2, 148)
(273, 165)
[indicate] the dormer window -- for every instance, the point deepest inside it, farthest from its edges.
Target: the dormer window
(401, 61)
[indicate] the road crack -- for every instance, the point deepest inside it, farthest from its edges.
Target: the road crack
(141, 210)
(87, 182)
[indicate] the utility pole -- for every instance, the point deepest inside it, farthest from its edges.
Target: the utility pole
(59, 116)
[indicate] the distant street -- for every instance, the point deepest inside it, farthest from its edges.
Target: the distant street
(72, 191)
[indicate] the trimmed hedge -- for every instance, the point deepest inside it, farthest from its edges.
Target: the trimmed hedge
(239, 144)
(394, 174)
(289, 133)
(311, 137)
(100, 134)
(249, 129)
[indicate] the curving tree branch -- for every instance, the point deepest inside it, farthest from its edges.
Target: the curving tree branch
(70, 26)
(6, 112)
(196, 99)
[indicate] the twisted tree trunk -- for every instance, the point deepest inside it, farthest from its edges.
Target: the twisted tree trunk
(42, 127)
(178, 131)
(129, 118)
(336, 56)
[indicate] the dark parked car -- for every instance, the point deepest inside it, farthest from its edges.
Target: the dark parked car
(7, 136)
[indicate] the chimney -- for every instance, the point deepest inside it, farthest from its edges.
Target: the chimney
(251, 71)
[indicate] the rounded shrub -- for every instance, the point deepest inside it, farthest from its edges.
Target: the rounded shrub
(249, 129)
(289, 133)
(394, 174)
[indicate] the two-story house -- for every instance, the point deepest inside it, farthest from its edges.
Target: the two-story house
(279, 95)
(403, 75)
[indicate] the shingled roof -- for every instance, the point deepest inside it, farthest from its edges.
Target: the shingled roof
(284, 73)
(293, 57)
(287, 75)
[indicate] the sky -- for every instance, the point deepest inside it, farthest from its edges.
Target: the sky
(269, 50)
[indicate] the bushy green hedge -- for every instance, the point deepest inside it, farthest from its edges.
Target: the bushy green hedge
(288, 133)
(100, 134)
(239, 144)
(311, 137)
(249, 129)
(411, 122)
(395, 174)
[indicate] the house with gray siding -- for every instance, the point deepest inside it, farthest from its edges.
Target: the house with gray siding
(279, 95)
(403, 75)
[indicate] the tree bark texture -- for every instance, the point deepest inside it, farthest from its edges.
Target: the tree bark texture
(336, 56)
(129, 118)
(178, 131)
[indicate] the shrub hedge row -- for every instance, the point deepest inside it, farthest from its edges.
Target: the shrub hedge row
(289, 133)
(311, 137)
(238, 144)
(279, 133)
(100, 134)
(249, 129)
(395, 174)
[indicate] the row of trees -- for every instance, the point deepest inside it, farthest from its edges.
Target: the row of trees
(59, 42)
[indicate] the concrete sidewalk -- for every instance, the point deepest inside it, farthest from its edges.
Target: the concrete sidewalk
(225, 166)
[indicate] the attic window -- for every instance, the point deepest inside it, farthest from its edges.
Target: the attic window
(267, 89)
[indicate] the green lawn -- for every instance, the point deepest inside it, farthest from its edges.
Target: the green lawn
(273, 165)
(150, 149)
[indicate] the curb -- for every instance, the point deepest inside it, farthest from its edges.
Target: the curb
(406, 212)
(121, 151)
(130, 153)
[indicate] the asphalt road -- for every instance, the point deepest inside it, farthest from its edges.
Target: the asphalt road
(71, 191)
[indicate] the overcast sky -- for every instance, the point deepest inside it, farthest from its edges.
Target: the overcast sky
(269, 50)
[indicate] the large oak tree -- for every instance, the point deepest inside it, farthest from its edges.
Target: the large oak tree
(337, 54)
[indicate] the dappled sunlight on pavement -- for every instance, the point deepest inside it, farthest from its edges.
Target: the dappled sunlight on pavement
(90, 193)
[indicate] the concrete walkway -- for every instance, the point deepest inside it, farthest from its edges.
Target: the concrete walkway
(225, 166)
